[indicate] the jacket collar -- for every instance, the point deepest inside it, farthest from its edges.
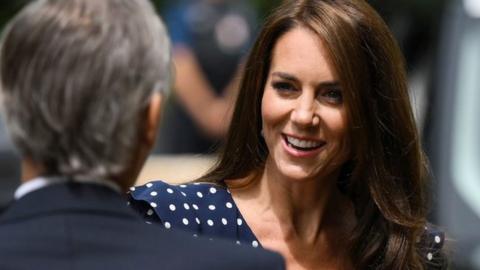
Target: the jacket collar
(69, 197)
(43, 181)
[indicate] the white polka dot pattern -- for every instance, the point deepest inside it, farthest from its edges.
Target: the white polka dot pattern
(209, 210)
(203, 209)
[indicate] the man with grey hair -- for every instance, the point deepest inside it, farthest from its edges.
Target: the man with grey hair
(82, 84)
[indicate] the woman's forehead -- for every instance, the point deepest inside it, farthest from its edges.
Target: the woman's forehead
(301, 53)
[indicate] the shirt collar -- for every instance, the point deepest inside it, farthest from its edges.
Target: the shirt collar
(42, 181)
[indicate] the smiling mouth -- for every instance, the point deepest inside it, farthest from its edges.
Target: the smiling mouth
(303, 145)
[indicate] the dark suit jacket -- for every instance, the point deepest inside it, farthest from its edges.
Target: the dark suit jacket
(88, 226)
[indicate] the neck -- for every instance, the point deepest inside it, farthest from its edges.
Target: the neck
(300, 218)
(30, 170)
(306, 208)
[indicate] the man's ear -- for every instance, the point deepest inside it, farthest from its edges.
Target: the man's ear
(153, 115)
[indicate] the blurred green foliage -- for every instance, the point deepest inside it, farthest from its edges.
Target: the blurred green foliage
(8, 8)
(421, 17)
(263, 6)
(427, 9)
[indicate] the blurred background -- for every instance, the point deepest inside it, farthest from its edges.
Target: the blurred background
(441, 43)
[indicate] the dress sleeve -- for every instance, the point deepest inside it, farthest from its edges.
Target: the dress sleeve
(159, 202)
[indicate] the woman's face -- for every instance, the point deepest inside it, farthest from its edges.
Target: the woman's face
(303, 114)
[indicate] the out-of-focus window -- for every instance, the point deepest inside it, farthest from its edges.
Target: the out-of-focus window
(466, 134)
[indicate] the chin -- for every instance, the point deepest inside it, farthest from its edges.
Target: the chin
(297, 173)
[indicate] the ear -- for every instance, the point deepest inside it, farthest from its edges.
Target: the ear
(153, 115)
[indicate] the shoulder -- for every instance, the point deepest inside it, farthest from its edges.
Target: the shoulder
(195, 194)
(199, 208)
(186, 206)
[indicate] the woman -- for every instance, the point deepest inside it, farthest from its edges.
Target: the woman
(206, 56)
(322, 161)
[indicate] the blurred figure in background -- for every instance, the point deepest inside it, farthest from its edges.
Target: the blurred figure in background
(82, 83)
(209, 37)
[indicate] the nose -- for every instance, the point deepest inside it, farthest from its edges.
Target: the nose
(304, 113)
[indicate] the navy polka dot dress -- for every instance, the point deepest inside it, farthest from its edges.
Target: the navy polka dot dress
(201, 208)
(209, 210)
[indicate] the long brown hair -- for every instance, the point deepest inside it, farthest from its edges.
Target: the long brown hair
(387, 171)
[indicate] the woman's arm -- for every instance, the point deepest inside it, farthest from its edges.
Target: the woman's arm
(210, 112)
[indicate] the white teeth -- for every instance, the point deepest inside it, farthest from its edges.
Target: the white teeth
(303, 143)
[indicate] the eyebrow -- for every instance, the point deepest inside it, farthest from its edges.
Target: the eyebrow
(289, 77)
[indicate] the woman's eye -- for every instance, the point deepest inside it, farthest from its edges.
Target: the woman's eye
(283, 87)
(333, 96)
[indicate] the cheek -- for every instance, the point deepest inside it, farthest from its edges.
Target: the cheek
(336, 130)
(268, 118)
(269, 109)
(336, 122)
(339, 126)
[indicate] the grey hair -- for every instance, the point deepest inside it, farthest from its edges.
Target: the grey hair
(76, 77)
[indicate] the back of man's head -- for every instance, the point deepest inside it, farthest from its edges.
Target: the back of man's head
(76, 77)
